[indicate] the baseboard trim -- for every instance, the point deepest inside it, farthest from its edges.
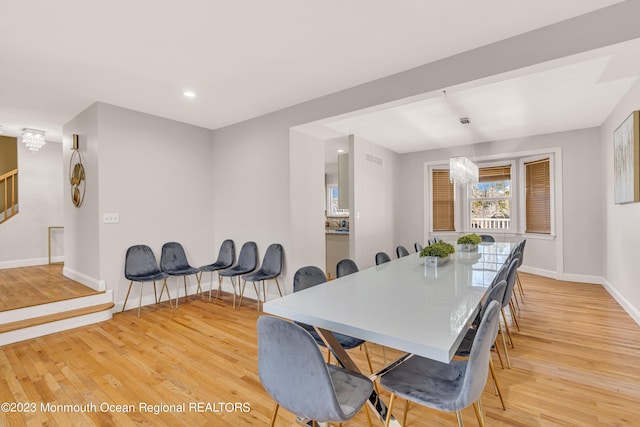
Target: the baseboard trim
(539, 272)
(23, 263)
(93, 283)
(632, 311)
(582, 278)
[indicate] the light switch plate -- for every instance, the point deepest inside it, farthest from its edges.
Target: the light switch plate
(110, 218)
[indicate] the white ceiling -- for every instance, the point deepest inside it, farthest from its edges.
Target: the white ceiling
(245, 58)
(572, 93)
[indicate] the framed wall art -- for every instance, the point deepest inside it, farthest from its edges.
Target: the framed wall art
(626, 160)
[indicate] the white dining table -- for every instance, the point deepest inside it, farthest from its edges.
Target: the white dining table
(401, 304)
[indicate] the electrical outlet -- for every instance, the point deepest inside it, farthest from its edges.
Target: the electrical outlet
(110, 218)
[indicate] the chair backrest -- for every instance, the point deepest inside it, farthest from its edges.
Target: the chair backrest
(475, 376)
(227, 254)
(292, 370)
(248, 258)
(401, 251)
(496, 293)
(140, 261)
(382, 257)
(501, 274)
(307, 277)
(487, 238)
(417, 246)
(511, 280)
(345, 267)
(521, 250)
(272, 262)
(173, 257)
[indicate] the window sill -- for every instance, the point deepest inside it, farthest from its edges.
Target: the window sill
(535, 236)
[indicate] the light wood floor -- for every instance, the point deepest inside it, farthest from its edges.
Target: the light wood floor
(575, 363)
(29, 286)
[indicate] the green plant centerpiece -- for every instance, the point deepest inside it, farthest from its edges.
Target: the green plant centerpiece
(469, 242)
(437, 253)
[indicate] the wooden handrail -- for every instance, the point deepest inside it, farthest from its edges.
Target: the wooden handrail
(8, 174)
(4, 178)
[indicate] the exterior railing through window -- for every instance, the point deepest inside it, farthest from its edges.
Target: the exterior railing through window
(491, 223)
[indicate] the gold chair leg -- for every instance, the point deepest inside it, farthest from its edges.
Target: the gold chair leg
(275, 413)
(127, 297)
(406, 412)
(366, 411)
(495, 344)
(478, 409)
(155, 291)
(278, 285)
(520, 288)
(506, 326)
(391, 402)
(504, 345)
(513, 314)
(140, 300)
(366, 353)
(184, 279)
(495, 382)
(459, 415)
(164, 286)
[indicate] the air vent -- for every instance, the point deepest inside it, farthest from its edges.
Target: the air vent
(373, 159)
(464, 120)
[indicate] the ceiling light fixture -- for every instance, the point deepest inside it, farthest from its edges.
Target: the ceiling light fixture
(462, 170)
(189, 94)
(33, 139)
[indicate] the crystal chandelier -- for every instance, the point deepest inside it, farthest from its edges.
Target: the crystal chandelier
(33, 139)
(463, 171)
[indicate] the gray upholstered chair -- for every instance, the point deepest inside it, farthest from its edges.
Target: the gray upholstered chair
(226, 258)
(401, 251)
(269, 270)
(294, 373)
(345, 267)
(487, 238)
(382, 257)
(521, 246)
(140, 265)
(495, 293)
(247, 262)
(448, 387)
(417, 246)
(173, 261)
(307, 277)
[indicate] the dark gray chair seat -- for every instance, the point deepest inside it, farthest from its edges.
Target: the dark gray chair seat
(173, 261)
(140, 265)
(293, 372)
(247, 262)
(270, 269)
(487, 238)
(226, 258)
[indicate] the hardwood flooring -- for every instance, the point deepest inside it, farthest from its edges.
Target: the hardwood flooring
(575, 363)
(29, 286)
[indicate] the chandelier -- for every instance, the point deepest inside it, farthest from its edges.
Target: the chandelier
(462, 170)
(33, 139)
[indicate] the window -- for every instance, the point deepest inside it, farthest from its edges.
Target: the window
(490, 199)
(538, 196)
(332, 202)
(442, 201)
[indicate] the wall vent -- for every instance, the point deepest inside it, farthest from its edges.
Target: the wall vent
(374, 159)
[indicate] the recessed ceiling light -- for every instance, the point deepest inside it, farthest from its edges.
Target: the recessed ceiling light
(341, 151)
(189, 94)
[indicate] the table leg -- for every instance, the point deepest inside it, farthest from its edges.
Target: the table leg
(380, 409)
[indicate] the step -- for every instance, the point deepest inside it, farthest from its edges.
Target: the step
(35, 321)
(32, 322)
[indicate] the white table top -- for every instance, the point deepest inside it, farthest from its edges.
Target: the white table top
(401, 304)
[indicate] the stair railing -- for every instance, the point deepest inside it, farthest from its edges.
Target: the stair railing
(8, 187)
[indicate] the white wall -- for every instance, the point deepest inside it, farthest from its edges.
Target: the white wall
(153, 172)
(372, 216)
(576, 253)
(82, 234)
(23, 239)
(622, 222)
